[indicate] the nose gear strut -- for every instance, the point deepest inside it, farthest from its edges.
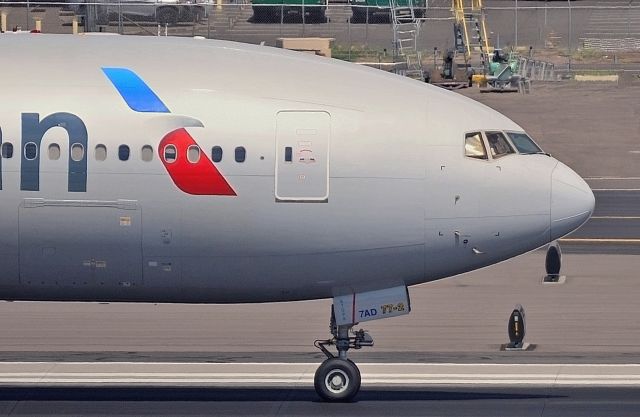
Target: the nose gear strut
(338, 379)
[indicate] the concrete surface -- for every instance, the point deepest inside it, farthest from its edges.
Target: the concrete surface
(126, 374)
(595, 311)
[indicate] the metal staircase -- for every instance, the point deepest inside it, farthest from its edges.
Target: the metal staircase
(470, 29)
(406, 29)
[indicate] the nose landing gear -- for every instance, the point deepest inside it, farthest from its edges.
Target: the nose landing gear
(338, 379)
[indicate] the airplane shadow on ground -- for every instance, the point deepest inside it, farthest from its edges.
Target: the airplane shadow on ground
(169, 394)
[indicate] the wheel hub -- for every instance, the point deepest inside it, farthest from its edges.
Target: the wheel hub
(337, 381)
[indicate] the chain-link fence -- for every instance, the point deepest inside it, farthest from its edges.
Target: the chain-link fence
(360, 29)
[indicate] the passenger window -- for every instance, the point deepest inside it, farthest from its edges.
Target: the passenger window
(193, 154)
(54, 152)
(498, 144)
(288, 154)
(100, 153)
(123, 152)
(77, 152)
(474, 146)
(241, 154)
(30, 151)
(146, 153)
(523, 143)
(216, 154)
(7, 150)
(170, 153)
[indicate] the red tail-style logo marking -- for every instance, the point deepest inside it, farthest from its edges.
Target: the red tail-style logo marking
(199, 176)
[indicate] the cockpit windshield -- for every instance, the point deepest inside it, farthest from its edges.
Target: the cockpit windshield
(523, 143)
(498, 144)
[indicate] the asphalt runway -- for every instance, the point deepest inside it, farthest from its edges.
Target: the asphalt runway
(408, 401)
(613, 228)
(402, 390)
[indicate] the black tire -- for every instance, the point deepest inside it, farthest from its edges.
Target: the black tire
(167, 16)
(337, 380)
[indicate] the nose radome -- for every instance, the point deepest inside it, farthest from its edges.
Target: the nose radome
(572, 201)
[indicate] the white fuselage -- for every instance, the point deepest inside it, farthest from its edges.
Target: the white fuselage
(352, 179)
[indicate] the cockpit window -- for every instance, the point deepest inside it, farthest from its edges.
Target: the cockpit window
(498, 144)
(474, 146)
(523, 143)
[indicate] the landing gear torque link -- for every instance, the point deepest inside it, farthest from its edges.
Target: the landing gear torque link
(338, 379)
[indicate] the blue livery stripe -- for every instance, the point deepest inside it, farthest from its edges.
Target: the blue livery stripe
(135, 92)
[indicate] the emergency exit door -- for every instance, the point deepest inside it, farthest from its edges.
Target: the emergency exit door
(302, 154)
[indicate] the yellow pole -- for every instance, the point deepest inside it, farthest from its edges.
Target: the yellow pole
(74, 25)
(38, 24)
(219, 4)
(463, 22)
(3, 21)
(484, 34)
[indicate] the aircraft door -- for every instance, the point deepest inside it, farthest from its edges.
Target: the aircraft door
(302, 155)
(80, 242)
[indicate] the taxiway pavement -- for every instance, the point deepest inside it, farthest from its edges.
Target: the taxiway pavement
(283, 389)
(613, 228)
(395, 401)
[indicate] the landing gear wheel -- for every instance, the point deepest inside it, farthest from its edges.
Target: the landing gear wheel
(337, 380)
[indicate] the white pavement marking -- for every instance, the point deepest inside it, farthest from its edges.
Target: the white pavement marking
(301, 374)
(605, 178)
(601, 240)
(624, 184)
(615, 217)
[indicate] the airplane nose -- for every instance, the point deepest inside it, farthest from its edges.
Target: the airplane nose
(572, 201)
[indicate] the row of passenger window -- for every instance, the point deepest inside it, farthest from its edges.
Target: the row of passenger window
(499, 144)
(170, 153)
